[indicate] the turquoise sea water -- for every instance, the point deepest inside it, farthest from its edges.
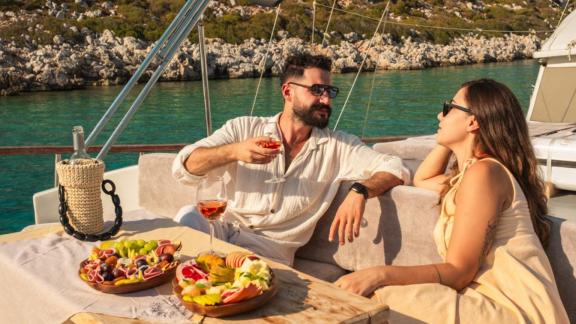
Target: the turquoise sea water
(402, 103)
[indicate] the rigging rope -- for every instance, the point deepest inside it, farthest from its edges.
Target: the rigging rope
(329, 19)
(313, 22)
(382, 18)
(477, 30)
(368, 106)
(263, 62)
(563, 11)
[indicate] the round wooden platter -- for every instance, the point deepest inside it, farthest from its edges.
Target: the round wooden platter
(110, 288)
(229, 309)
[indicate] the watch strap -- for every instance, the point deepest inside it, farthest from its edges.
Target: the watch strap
(360, 188)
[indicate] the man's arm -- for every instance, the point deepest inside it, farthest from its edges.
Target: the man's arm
(381, 182)
(349, 215)
(205, 159)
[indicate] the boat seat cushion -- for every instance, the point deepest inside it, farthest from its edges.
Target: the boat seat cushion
(159, 192)
(389, 233)
(397, 228)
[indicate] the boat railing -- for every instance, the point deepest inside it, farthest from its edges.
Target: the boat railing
(132, 148)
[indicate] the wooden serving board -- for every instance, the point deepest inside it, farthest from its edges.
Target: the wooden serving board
(229, 309)
(110, 288)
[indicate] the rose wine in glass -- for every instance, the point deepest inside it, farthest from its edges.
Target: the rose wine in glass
(211, 209)
(273, 142)
(211, 202)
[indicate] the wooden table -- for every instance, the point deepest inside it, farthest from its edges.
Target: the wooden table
(301, 298)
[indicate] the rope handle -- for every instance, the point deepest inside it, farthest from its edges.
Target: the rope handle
(63, 209)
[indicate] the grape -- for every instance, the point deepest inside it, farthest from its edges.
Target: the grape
(139, 244)
(108, 276)
(166, 257)
(153, 244)
(143, 251)
(118, 246)
(127, 244)
(117, 273)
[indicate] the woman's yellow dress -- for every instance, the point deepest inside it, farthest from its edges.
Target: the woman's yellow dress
(514, 284)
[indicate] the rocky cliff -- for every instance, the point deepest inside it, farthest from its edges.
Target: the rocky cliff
(75, 56)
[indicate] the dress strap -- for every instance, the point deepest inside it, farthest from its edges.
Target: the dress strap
(455, 181)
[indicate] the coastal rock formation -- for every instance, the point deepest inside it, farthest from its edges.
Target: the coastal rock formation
(104, 59)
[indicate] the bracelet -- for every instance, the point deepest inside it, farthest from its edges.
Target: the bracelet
(438, 273)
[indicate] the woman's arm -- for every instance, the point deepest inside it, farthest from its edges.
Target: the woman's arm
(484, 192)
(430, 173)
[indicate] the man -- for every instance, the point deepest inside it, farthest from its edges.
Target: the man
(274, 218)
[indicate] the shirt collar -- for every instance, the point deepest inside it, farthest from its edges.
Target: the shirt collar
(317, 137)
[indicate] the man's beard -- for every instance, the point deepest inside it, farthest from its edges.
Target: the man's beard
(307, 115)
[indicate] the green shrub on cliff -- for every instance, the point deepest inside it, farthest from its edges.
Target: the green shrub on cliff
(147, 19)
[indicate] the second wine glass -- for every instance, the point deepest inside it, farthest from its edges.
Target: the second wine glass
(211, 203)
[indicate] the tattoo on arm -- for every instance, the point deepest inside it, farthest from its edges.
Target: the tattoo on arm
(489, 238)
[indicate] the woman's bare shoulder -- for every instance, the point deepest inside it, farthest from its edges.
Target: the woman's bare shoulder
(488, 177)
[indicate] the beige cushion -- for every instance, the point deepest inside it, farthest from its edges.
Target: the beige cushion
(160, 193)
(398, 227)
(397, 230)
(561, 252)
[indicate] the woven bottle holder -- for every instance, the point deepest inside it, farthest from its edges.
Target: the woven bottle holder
(81, 182)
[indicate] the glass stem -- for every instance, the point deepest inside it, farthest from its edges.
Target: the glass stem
(211, 236)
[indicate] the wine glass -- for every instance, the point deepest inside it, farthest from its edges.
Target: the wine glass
(273, 142)
(211, 203)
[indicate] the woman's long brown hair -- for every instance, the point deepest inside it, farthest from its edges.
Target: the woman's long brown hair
(503, 134)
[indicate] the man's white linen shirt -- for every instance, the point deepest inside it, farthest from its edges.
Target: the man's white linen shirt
(287, 212)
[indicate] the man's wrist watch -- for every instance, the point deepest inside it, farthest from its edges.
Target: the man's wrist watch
(360, 188)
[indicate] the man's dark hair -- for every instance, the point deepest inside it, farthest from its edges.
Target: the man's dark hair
(296, 64)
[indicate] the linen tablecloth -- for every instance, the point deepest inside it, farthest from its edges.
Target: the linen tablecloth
(40, 284)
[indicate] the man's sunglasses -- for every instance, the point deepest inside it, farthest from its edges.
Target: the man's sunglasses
(319, 89)
(448, 106)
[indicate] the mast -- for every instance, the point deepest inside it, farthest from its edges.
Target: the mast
(163, 52)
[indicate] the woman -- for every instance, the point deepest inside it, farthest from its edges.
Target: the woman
(491, 229)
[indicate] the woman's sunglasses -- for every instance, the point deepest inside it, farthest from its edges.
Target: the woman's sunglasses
(448, 106)
(319, 89)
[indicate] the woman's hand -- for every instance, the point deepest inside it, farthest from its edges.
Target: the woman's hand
(363, 282)
(430, 173)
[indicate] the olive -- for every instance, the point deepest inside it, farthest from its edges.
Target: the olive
(104, 268)
(166, 257)
(141, 262)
